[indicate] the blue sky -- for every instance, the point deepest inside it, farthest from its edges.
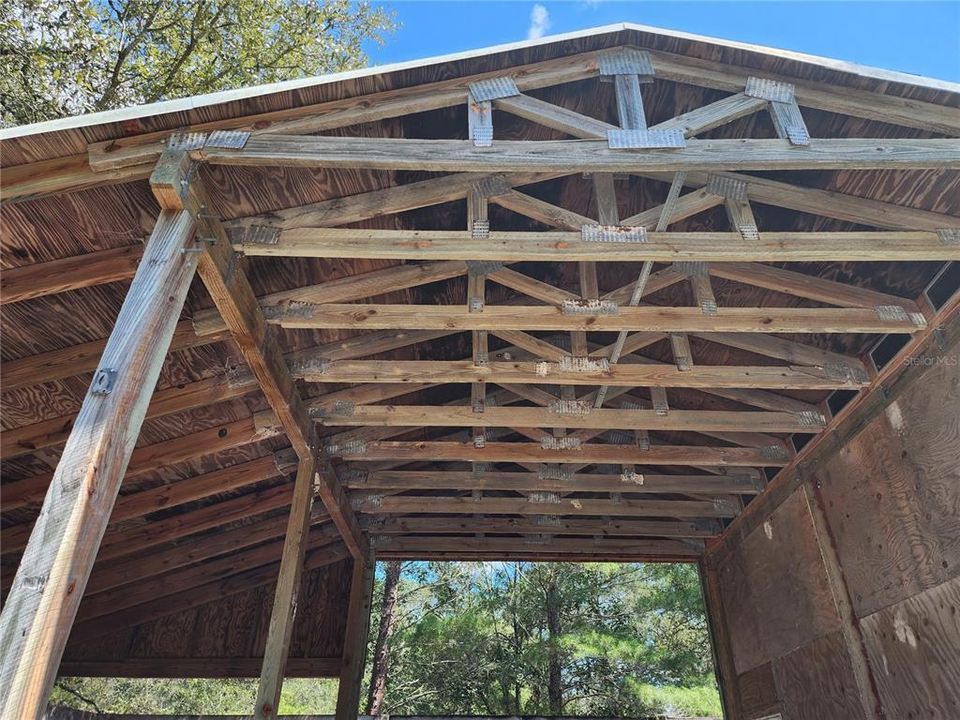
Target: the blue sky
(915, 37)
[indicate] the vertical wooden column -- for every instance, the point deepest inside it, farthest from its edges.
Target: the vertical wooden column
(720, 640)
(287, 592)
(355, 640)
(57, 561)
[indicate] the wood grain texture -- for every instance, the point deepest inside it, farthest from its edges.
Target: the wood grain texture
(891, 495)
(57, 561)
(912, 646)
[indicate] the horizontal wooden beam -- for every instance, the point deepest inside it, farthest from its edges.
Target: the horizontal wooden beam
(584, 155)
(566, 246)
(27, 439)
(571, 415)
(207, 667)
(534, 373)
(581, 318)
(152, 457)
(201, 590)
(536, 505)
(56, 276)
(545, 549)
(746, 483)
(530, 525)
(806, 286)
(580, 453)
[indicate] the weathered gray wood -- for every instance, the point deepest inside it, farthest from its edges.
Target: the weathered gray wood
(355, 642)
(56, 565)
(584, 155)
(564, 246)
(286, 593)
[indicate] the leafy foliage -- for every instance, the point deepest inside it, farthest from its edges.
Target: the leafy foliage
(627, 640)
(64, 58)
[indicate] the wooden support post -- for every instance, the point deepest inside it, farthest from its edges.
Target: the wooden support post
(720, 640)
(286, 593)
(56, 564)
(355, 640)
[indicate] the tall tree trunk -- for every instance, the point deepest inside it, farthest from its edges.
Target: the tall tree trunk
(554, 687)
(381, 653)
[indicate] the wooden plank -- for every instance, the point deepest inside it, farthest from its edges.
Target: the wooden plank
(25, 440)
(647, 318)
(724, 669)
(572, 549)
(202, 588)
(563, 246)
(351, 287)
(532, 373)
(903, 111)
(584, 453)
(151, 457)
(746, 483)
(234, 298)
(137, 149)
(48, 586)
(583, 155)
(57, 276)
(577, 417)
(609, 527)
(355, 641)
(309, 667)
(828, 203)
(286, 593)
(83, 358)
(806, 286)
(911, 646)
(403, 505)
(138, 504)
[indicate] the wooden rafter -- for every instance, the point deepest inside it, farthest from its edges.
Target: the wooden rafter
(563, 246)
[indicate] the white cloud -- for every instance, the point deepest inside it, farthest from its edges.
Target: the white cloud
(539, 22)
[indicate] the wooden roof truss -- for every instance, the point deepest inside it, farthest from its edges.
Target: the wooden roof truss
(564, 446)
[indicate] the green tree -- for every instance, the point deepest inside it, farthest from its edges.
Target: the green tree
(65, 58)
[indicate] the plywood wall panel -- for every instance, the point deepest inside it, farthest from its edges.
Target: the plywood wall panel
(914, 648)
(892, 495)
(816, 682)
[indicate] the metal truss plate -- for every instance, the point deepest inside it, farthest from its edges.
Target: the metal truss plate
(798, 135)
(475, 304)
(230, 139)
(773, 452)
(350, 447)
(842, 371)
(626, 61)
(811, 418)
(186, 141)
(493, 89)
(544, 497)
(726, 187)
(480, 229)
(631, 477)
(613, 233)
(570, 407)
(771, 90)
(748, 231)
(479, 441)
(553, 471)
(547, 520)
(632, 139)
(891, 313)
(482, 135)
(708, 307)
(571, 363)
(949, 236)
(568, 442)
(260, 235)
(589, 307)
